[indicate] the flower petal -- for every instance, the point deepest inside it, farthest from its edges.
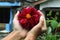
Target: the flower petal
(31, 22)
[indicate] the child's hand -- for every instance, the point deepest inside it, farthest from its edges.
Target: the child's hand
(38, 29)
(18, 32)
(18, 27)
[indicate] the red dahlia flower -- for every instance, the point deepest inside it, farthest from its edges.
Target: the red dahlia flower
(28, 17)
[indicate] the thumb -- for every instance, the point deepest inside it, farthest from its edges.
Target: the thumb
(15, 17)
(41, 20)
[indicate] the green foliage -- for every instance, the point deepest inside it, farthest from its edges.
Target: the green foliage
(57, 13)
(49, 30)
(50, 37)
(48, 22)
(50, 13)
(53, 37)
(59, 24)
(54, 24)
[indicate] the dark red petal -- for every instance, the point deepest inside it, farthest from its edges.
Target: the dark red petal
(29, 9)
(36, 18)
(23, 21)
(23, 12)
(27, 26)
(31, 22)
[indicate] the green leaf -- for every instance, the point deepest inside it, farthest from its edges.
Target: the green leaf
(48, 21)
(59, 24)
(48, 37)
(54, 24)
(57, 13)
(49, 30)
(53, 37)
(50, 13)
(55, 18)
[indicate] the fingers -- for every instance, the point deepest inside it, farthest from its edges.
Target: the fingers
(36, 29)
(16, 24)
(41, 14)
(44, 27)
(16, 15)
(18, 27)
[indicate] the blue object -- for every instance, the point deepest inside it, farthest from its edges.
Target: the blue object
(8, 4)
(9, 26)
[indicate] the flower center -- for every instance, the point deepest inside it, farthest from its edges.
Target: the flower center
(28, 16)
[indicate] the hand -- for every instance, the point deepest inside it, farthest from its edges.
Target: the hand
(18, 27)
(38, 29)
(18, 32)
